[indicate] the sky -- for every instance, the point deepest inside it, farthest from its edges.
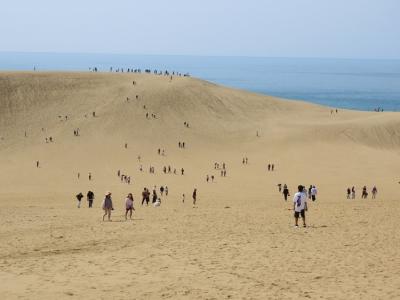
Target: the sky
(269, 28)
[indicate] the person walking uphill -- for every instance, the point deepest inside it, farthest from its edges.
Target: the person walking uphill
(90, 197)
(79, 197)
(129, 206)
(194, 197)
(300, 206)
(107, 206)
(285, 192)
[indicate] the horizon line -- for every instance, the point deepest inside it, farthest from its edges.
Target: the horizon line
(196, 55)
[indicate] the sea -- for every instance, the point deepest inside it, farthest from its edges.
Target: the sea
(359, 84)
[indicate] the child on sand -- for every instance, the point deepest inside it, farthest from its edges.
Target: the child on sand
(300, 206)
(157, 203)
(129, 206)
(107, 206)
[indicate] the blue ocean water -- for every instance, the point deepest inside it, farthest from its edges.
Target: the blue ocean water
(343, 83)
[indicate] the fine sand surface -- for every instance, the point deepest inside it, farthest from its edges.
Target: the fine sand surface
(239, 241)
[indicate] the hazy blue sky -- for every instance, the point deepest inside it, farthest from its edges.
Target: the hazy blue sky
(284, 28)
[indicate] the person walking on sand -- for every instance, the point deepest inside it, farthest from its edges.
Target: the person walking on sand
(374, 192)
(90, 176)
(90, 197)
(348, 193)
(183, 198)
(129, 206)
(314, 193)
(194, 197)
(37, 164)
(166, 191)
(364, 194)
(107, 206)
(154, 196)
(300, 206)
(79, 197)
(279, 187)
(353, 193)
(285, 192)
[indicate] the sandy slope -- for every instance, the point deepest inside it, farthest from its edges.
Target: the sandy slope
(239, 241)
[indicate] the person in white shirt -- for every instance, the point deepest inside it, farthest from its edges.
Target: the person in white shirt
(314, 193)
(300, 206)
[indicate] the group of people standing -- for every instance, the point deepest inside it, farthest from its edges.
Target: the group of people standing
(351, 192)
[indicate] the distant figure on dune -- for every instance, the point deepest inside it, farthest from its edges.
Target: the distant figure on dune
(269, 167)
(348, 193)
(37, 164)
(155, 197)
(161, 190)
(374, 192)
(90, 198)
(272, 167)
(194, 196)
(279, 187)
(79, 175)
(212, 178)
(166, 191)
(90, 176)
(145, 196)
(300, 206)
(182, 171)
(129, 206)
(94, 114)
(183, 198)
(314, 193)
(364, 194)
(107, 206)
(353, 193)
(126, 145)
(207, 178)
(285, 192)
(79, 197)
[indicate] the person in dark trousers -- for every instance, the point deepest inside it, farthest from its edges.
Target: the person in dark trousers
(194, 196)
(79, 197)
(154, 196)
(285, 192)
(90, 197)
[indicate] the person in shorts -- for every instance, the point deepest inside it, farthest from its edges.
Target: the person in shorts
(300, 206)
(129, 206)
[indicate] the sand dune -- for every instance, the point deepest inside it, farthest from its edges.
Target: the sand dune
(239, 241)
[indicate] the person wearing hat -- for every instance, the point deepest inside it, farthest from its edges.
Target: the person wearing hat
(107, 206)
(300, 206)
